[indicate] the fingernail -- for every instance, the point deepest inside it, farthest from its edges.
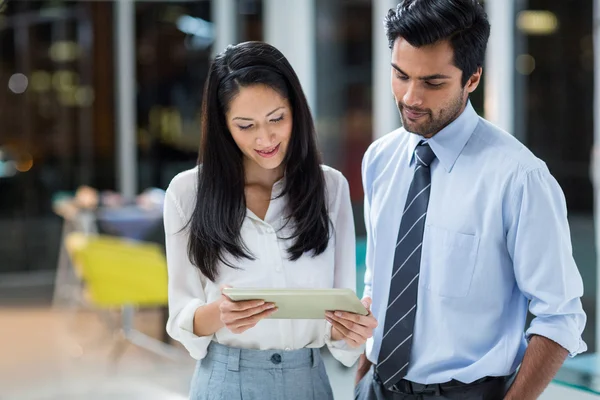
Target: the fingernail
(338, 314)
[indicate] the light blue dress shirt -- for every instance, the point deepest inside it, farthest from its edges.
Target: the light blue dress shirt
(496, 241)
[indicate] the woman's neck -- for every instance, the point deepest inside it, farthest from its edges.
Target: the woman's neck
(256, 175)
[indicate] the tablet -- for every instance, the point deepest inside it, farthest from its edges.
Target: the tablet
(301, 303)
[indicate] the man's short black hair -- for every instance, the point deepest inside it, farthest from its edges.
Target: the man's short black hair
(423, 22)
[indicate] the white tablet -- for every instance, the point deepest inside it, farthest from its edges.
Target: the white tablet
(301, 303)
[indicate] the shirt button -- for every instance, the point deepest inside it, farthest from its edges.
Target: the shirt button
(269, 230)
(276, 358)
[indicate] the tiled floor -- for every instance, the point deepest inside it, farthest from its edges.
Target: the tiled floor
(41, 359)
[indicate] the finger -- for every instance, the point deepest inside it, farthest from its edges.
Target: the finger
(364, 326)
(252, 319)
(367, 321)
(356, 323)
(367, 301)
(353, 327)
(347, 315)
(221, 287)
(234, 315)
(241, 305)
(242, 329)
(347, 333)
(351, 341)
(354, 344)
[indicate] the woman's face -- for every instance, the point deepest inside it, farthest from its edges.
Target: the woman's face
(260, 122)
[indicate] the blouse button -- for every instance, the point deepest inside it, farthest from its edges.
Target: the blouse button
(276, 358)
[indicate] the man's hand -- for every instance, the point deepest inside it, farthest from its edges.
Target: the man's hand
(363, 367)
(542, 360)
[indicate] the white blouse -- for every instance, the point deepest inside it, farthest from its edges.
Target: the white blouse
(189, 289)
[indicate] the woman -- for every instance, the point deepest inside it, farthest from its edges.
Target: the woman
(260, 211)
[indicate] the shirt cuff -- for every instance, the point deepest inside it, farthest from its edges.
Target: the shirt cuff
(340, 350)
(556, 328)
(197, 346)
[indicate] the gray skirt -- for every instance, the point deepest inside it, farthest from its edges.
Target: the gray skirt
(228, 373)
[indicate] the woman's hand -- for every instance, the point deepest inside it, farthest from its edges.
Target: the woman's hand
(239, 316)
(355, 329)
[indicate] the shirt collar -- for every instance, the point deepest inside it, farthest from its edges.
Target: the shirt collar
(448, 143)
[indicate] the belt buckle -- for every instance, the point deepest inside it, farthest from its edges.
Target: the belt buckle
(432, 389)
(396, 389)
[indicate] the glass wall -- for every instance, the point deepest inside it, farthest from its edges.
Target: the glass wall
(52, 137)
(174, 42)
(344, 85)
(554, 88)
(174, 47)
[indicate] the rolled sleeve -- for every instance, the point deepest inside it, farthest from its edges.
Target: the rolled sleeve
(540, 245)
(182, 330)
(561, 329)
(340, 349)
(186, 288)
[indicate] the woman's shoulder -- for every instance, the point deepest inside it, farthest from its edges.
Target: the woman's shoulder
(334, 179)
(183, 186)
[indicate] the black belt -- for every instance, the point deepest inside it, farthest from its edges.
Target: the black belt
(408, 387)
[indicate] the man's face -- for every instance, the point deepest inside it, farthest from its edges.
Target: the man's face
(427, 86)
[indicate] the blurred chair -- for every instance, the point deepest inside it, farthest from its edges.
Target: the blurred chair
(67, 284)
(118, 273)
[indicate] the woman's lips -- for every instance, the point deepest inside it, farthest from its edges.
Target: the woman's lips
(268, 153)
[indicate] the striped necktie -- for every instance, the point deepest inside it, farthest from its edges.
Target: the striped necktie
(402, 303)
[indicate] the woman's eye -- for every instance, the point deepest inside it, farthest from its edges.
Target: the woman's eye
(277, 119)
(245, 127)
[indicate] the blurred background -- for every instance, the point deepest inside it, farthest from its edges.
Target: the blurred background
(99, 106)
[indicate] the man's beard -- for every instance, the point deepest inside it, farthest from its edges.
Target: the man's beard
(428, 125)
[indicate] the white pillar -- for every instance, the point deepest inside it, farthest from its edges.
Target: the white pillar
(500, 65)
(224, 20)
(290, 26)
(385, 113)
(595, 161)
(124, 42)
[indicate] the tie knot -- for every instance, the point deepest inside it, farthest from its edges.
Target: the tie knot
(424, 155)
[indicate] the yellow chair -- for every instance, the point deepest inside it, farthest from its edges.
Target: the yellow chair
(124, 274)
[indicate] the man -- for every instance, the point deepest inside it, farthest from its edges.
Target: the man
(466, 229)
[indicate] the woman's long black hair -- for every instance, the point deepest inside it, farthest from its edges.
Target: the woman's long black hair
(221, 205)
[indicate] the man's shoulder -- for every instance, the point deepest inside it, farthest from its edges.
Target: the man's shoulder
(498, 145)
(386, 145)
